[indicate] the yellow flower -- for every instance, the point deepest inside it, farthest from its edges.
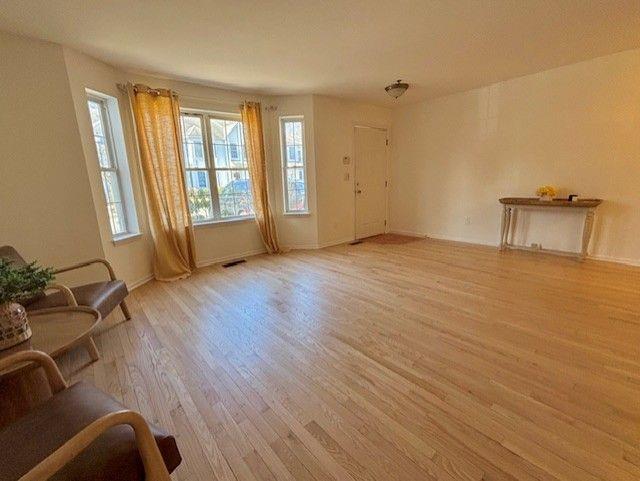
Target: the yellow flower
(547, 190)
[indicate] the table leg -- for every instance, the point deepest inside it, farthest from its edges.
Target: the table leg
(503, 225)
(507, 229)
(586, 233)
(92, 349)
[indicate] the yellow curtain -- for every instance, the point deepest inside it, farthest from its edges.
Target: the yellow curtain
(157, 119)
(252, 123)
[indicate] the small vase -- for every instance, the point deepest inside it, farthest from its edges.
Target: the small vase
(14, 325)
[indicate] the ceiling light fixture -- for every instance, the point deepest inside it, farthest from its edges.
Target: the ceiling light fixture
(396, 89)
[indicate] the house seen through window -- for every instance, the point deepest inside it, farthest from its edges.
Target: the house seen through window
(217, 174)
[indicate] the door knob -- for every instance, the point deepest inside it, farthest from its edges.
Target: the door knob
(358, 191)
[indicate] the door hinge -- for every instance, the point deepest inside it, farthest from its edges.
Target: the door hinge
(386, 141)
(385, 222)
(386, 184)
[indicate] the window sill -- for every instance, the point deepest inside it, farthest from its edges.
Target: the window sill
(218, 223)
(124, 238)
(304, 213)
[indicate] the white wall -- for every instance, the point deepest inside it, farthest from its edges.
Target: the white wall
(46, 207)
(295, 231)
(335, 120)
(130, 258)
(576, 127)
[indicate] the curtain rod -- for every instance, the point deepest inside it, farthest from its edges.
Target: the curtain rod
(225, 102)
(123, 89)
(145, 88)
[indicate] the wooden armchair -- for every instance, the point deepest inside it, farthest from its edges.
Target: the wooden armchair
(103, 296)
(81, 433)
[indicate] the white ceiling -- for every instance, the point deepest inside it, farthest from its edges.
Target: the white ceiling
(336, 47)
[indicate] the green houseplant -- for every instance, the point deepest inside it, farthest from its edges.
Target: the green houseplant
(16, 284)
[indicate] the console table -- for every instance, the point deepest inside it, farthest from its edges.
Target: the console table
(510, 204)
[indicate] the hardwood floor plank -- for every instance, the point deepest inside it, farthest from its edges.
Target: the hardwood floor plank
(424, 360)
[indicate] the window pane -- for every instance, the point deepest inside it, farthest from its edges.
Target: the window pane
(291, 155)
(234, 130)
(199, 195)
(234, 153)
(220, 156)
(113, 196)
(192, 142)
(96, 117)
(103, 152)
(99, 133)
(288, 133)
(218, 131)
(295, 203)
(295, 156)
(297, 133)
(296, 191)
(228, 143)
(116, 218)
(234, 193)
(111, 186)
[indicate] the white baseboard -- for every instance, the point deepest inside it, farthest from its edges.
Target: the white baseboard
(300, 247)
(149, 277)
(336, 242)
(140, 282)
(617, 260)
(467, 240)
(319, 246)
(231, 257)
(254, 252)
(408, 233)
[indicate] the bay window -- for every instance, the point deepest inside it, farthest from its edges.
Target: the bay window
(215, 161)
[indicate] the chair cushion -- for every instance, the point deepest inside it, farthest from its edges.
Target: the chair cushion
(102, 296)
(113, 455)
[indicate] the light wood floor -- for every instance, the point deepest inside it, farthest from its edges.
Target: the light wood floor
(419, 361)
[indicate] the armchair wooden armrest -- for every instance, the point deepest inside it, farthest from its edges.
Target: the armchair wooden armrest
(112, 274)
(154, 467)
(54, 376)
(71, 299)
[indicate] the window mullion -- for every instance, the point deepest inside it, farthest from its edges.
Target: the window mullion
(211, 170)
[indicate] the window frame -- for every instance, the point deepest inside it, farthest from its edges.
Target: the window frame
(205, 117)
(116, 150)
(284, 165)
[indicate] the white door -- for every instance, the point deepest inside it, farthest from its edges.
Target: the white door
(370, 181)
